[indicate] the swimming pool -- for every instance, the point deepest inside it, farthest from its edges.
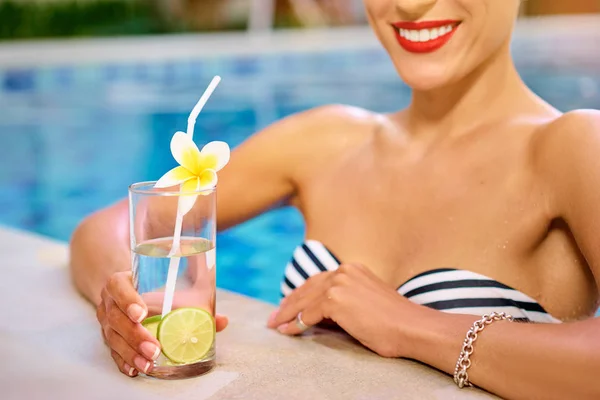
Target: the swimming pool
(78, 126)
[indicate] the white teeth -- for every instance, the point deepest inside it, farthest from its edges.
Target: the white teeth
(425, 35)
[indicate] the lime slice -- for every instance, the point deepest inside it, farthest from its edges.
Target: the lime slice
(186, 334)
(151, 323)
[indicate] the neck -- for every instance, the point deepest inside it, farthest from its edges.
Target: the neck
(486, 94)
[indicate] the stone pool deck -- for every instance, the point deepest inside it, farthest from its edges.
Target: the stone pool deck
(52, 348)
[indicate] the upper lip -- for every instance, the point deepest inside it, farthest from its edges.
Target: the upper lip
(424, 24)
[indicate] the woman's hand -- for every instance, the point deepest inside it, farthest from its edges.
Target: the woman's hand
(120, 314)
(355, 299)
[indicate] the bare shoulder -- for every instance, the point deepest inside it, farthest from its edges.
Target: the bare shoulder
(278, 159)
(574, 124)
(328, 123)
(567, 138)
(337, 114)
(324, 135)
(317, 134)
(567, 152)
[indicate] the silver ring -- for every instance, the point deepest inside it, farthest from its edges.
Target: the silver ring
(300, 324)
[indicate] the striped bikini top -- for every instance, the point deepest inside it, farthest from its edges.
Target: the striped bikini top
(448, 290)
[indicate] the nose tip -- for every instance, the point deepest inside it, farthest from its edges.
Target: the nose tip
(413, 9)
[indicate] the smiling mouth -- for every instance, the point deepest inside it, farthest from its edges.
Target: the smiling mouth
(426, 36)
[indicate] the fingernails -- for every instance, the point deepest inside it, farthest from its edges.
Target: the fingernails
(272, 318)
(142, 364)
(150, 350)
(282, 328)
(130, 370)
(136, 312)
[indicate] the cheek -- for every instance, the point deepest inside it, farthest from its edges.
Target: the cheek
(492, 20)
(377, 8)
(378, 12)
(491, 28)
(483, 35)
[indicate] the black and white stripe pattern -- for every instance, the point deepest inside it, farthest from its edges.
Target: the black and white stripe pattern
(448, 290)
(464, 292)
(311, 258)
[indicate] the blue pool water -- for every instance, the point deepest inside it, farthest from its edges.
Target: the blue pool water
(72, 138)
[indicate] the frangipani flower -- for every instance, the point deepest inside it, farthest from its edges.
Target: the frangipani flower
(197, 169)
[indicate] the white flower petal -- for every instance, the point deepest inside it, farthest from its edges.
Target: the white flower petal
(187, 201)
(208, 179)
(174, 177)
(185, 152)
(220, 150)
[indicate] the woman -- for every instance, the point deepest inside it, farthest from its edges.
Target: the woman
(478, 197)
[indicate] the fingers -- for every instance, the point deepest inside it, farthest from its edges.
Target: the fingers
(311, 315)
(128, 355)
(136, 336)
(122, 292)
(131, 344)
(221, 321)
(120, 313)
(295, 328)
(123, 366)
(101, 316)
(190, 298)
(299, 299)
(316, 301)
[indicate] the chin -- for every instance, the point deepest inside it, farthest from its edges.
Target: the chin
(424, 78)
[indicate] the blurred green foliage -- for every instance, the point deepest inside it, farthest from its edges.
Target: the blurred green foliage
(71, 18)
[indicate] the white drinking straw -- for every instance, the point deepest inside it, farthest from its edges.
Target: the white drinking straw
(200, 105)
(174, 261)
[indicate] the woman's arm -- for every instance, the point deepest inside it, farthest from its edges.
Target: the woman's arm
(262, 174)
(545, 361)
(513, 360)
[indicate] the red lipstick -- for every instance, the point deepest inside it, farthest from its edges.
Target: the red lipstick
(438, 34)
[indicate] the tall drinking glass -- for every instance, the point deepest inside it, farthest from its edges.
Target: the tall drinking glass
(176, 255)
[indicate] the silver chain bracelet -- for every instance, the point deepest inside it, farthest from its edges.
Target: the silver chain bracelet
(461, 377)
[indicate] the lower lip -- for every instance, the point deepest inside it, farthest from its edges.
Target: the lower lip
(424, 47)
